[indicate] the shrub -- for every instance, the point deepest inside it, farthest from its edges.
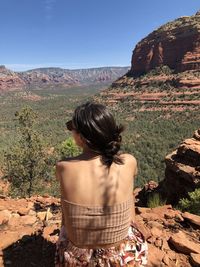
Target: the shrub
(68, 148)
(155, 200)
(192, 203)
(26, 163)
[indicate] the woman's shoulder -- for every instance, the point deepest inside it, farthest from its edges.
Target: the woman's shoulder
(128, 158)
(66, 165)
(130, 162)
(66, 161)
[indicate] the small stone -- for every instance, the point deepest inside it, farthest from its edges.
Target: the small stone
(49, 230)
(195, 259)
(4, 216)
(30, 205)
(165, 246)
(155, 224)
(32, 213)
(41, 215)
(158, 242)
(23, 211)
(140, 210)
(151, 240)
(169, 223)
(28, 220)
(172, 255)
(166, 260)
(14, 220)
(156, 232)
(150, 216)
(195, 219)
(179, 218)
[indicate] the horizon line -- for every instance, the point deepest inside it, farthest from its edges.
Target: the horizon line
(29, 67)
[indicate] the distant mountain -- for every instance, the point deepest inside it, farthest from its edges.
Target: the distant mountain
(42, 77)
(9, 79)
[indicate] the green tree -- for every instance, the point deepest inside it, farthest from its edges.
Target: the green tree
(26, 162)
(68, 148)
(192, 203)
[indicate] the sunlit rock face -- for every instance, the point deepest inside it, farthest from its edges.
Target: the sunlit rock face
(175, 44)
(182, 174)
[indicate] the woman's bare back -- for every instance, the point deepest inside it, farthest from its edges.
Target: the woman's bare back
(87, 181)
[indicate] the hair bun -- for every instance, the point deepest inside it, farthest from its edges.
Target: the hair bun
(110, 153)
(112, 148)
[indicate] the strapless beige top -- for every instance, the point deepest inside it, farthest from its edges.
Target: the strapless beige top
(94, 226)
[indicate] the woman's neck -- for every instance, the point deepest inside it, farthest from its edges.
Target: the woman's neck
(89, 153)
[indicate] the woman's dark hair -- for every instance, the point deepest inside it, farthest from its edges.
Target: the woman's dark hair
(99, 129)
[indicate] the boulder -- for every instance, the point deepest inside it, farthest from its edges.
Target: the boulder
(183, 244)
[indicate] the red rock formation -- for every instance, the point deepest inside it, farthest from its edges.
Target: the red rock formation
(175, 44)
(182, 173)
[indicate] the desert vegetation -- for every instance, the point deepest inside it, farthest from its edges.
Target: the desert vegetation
(152, 129)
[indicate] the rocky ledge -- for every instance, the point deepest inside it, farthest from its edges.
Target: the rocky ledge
(182, 173)
(29, 229)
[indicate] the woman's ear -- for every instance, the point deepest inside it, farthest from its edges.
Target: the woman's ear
(78, 138)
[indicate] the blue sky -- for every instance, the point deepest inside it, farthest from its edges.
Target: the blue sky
(80, 33)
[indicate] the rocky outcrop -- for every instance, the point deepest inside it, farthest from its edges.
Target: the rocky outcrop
(175, 44)
(182, 174)
(167, 60)
(30, 228)
(46, 77)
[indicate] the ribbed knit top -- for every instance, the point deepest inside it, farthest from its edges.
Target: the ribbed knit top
(93, 226)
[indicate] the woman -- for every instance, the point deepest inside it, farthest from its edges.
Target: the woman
(97, 196)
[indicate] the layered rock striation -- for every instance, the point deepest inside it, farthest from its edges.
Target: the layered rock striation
(175, 44)
(182, 174)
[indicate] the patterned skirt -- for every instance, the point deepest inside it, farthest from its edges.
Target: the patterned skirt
(132, 251)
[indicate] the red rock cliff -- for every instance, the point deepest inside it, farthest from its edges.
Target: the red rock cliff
(175, 44)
